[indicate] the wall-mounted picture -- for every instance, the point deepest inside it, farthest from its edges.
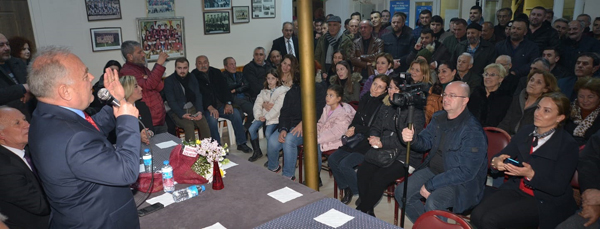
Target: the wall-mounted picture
(104, 39)
(263, 9)
(217, 4)
(216, 22)
(103, 9)
(161, 35)
(241, 14)
(160, 8)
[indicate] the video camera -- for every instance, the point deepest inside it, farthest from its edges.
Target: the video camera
(410, 94)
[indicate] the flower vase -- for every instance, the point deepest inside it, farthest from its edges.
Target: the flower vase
(217, 183)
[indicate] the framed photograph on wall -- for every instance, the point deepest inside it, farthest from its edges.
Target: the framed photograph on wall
(160, 8)
(216, 22)
(161, 35)
(103, 9)
(104, 39)
(216, 4)
(263, 9)
(241, 14)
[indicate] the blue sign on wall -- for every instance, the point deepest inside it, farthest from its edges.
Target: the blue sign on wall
(419, 9)
(401, 6)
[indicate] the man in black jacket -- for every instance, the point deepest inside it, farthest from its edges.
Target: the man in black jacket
(256, 72)
(483, 52)
(542, 32)
(399, 42)
(240, 88)
(288, 43)
(218, 102)
(520, 49)
(503, 15)
(14, 90)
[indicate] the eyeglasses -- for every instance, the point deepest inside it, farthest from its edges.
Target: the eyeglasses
(452, 96)
(490, 75)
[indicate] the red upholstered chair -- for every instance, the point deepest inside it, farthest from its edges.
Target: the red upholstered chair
(497, 140)
(430, 220)
(354, 104)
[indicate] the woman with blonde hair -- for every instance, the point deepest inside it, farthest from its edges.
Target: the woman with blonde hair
(489, 103)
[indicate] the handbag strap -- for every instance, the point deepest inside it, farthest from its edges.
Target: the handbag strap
(373, 116)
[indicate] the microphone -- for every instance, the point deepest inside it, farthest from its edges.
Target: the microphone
(105, 96)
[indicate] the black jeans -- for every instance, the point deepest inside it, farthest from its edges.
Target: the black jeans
(373, 180)
(506, 208)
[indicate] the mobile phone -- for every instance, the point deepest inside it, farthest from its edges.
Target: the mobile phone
(194, 115)
(513, 162)
(152, 208)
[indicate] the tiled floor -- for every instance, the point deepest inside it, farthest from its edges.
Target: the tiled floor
(384, 210)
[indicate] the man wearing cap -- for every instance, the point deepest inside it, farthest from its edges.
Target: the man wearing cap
(483, 52)
(331, 42)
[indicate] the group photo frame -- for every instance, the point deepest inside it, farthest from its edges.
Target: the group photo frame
(263, 9)
(216, 4)
(240, 14)
(162, 8)
(105, 39)
(158, 35)
(216, 22)
(103, 9)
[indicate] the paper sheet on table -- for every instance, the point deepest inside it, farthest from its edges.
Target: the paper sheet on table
(285, 194)
(165, 199)
(333, 218)
(216, 226)
(167, 144)
(228, 165)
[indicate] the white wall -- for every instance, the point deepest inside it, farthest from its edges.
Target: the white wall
(64, 22)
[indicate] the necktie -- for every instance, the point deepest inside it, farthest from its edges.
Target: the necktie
(90, 120)
(28, 159)
(289, 47)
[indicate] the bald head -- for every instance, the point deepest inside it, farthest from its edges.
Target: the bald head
(505, 61)
(365, 28)
(455, 98)
(353, 26)
(14, 128)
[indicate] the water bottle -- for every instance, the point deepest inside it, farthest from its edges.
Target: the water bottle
(188, 193)
(167, 174)
(147, 157)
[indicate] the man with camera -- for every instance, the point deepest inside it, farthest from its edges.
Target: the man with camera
(453, 174)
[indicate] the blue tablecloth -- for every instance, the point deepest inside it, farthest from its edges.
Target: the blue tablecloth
(304, 217)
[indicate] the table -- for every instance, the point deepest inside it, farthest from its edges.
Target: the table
(243, 203)
(304, 217)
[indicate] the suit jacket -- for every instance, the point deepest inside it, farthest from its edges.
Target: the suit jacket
(85, 177)
(11, 92)
(213, 90)
(22, 198)
(362, 60)
(554, 164)
(280, 45)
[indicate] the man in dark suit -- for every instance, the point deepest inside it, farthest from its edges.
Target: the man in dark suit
(288, 43)
(14, 91)
(21, 196)
(85, 177)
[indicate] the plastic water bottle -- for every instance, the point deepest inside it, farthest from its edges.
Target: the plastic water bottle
(147, 160)
(188, 193)
(167, 174)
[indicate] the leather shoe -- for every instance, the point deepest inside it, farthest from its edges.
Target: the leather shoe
(244, 148)
(347, 196)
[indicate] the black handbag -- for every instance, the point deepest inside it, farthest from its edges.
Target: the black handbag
(381, 157)
(358, 137)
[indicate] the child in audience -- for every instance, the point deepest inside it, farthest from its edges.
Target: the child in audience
(266, 110)
(336, 117)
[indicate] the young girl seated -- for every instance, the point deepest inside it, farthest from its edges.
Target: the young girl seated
(335, 119)
(266, 110)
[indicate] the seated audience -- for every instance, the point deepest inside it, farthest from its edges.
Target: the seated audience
(274, 59)
(256, 71)
(510, 81)
(22, 198)
(483, 52)
(521, 110)
(133, 95)
(373, 179)
(446, 74)
(562, 27)
(267, 108)
(540, 64)
(438, 51)
(588, 169)
(552, 55)
(344, 160)
(14, 89)
(587, 65)
(538, 192)
(218, 102)
(240, 89)
(336, 116)
(575, 44)
(420, 73)
(289, 134)
(454, 172)
(518, 47)
(584, 121)
(21, 48)
(348, 80)
(464, 63)
(383, 65)
(333, 39)
(185, 100)
(489, 103)
(337, 57)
